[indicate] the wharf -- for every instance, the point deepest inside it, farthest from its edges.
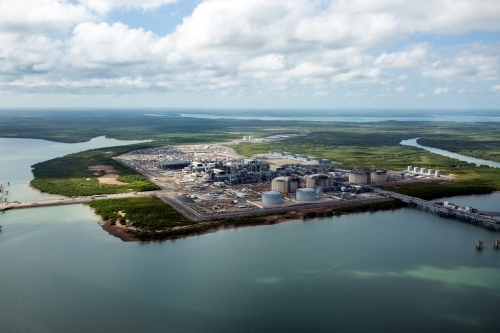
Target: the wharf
(429, 206)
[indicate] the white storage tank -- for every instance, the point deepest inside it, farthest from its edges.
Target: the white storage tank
(438, 173)
(357, 177)
(306, 194)
(415, 169)
(422, 171)
(430, 172)
(272, 198)
(410, 168)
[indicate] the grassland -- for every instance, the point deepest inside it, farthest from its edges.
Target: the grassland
(69, 175)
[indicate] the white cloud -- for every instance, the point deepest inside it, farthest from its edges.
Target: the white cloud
(441, 91)
(421, 95)
(495, 89)
(246, 47)
(28, 17)
(461, 91)
(104, 6)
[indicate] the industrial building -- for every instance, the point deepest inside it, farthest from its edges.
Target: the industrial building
(174, 165)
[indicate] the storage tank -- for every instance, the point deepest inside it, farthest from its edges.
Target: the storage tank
(306, 194)
(430, 172)
(378, 176)
(278, 184)
(438, 173)
(319, 191)
(415, 169)
(272, 198)
(357, 177)
(310, 181)
(285, 184)
(422, 171)
(410, 168)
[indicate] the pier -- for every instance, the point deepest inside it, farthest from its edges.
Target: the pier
(479, 244)
(478, 218)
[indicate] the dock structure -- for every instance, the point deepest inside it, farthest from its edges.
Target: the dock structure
(432, 207)
(496, 244)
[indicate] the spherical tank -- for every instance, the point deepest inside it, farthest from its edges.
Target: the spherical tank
(272, 198)
(358, 178)
(306, 194)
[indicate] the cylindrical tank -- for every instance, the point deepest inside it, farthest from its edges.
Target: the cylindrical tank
(410, 168)
(278, 184)
(306, 194)
(422, 171)
(272, 198)
(378, 176)
(358, 178)
(430, 172)
(285, 184)
(310, 181)
(319, 191)
(415, 169)
(438, 173)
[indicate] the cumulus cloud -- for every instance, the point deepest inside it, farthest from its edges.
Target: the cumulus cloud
(245, 47)
(441, 91)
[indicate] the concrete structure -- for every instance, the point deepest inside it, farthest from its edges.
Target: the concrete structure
(306, 194)
(358, 177)
(378, 176)
(272, 198)
(313, 181)
(285, 184)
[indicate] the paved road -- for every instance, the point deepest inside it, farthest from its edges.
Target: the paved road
(73, 201)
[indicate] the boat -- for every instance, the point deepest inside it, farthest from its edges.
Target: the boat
(0, 227)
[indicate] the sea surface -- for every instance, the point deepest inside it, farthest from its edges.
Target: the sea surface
(395, 271)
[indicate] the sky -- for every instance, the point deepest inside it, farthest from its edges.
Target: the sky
(397, 54)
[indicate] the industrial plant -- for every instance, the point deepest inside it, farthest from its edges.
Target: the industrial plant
(213, 179)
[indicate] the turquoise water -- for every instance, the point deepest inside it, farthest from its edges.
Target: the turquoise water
(395, 271)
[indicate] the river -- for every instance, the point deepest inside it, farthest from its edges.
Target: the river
(477, 161)
(394, 271)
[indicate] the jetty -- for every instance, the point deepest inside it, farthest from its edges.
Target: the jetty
(471, 216)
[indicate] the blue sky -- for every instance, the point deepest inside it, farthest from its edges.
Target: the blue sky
(250, 53)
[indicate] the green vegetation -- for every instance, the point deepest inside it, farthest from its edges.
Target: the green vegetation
(354, 148)
(68, 175)
(144, 213)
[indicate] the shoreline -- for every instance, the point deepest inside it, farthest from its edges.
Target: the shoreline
(203, 228)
